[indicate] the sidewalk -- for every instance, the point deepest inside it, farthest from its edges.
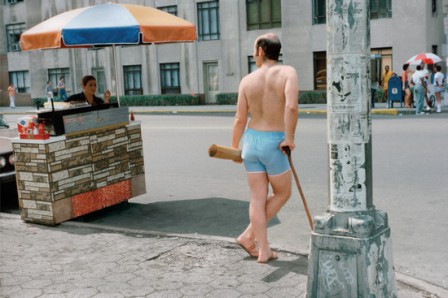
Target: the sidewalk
(380, 109)
(76, 259)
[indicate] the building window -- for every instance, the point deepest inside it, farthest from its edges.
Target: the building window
(132, 80)
(12, 1)
(434, 8)
(263, 14)
(170, 78)
(208, 20)
(99, 74)
(379, 59)
(320, 70)
(54, 75)
(21, 80)
(13, 33)
(435, 49)
(172, 9)
(319, 12)
(252, 66)
(380, 9)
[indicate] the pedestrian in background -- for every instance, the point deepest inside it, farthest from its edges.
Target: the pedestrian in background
(106, 96)
(418, 78)
(439, 81)
(61, 89)
(428, 77)
(269, 95)
(49, 91)
(405, 86)
(385, 79)
(12, 96)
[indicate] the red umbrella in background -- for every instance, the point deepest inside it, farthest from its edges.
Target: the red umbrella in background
(427, 58)
(108, 25)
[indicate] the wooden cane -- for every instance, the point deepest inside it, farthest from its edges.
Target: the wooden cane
(305, 205)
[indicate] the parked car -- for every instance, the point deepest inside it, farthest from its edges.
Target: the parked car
(8, 186)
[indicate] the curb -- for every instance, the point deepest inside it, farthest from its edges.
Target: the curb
(428, 289)
(393, 112)
(378, 111)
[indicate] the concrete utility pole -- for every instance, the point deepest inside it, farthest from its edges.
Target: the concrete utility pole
(351, 249)
(445, 27)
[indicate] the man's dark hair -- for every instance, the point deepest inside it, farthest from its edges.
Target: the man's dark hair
(438, 67)
(419, 67)
(271, 47)
(405, 66)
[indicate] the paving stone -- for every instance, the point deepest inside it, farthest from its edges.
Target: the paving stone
(69, 261)
(141, 291)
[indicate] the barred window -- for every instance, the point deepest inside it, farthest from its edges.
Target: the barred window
(170, 78)
(380, 9)
(172, 9)
(54, 74)
(13, 33)
(132, 80)
(12, 1)
(263, 14)
(319, 12)
(320, 70)
(208, 20)
(21, 80)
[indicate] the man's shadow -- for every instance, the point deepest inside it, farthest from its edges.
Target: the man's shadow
(208, 216)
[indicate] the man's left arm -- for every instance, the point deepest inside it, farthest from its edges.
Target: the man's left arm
(291, 107)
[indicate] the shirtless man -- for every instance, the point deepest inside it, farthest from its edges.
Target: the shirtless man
(270, 95)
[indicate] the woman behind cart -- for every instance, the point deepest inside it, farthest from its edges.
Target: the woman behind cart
(88, 84)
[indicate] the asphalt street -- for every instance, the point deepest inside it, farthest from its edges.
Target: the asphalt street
(191, 194)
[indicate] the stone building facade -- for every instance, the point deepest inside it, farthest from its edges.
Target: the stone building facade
(221, 56)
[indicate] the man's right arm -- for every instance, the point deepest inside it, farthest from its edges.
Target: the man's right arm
(241, 116)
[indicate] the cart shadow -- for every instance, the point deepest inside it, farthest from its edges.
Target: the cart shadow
(208, 216)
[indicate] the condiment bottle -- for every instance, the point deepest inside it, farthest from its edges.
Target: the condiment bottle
(40, 128)
(30, 128)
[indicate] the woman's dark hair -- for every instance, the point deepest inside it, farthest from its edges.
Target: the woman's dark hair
(271, 47)
(86, 79)
(405, 66)
(438, 67)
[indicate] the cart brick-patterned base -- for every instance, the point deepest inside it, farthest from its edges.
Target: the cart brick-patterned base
(75, 174)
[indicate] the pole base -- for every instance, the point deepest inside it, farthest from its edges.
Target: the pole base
(351, 256)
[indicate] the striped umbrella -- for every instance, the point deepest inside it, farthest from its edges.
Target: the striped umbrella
(427, 58)
(105, 25)
(108, 25)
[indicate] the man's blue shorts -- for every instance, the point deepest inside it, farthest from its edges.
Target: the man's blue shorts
(261, 152)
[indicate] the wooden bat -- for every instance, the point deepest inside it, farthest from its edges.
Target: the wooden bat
(224, 152)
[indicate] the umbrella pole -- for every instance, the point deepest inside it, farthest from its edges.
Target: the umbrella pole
(114, 55)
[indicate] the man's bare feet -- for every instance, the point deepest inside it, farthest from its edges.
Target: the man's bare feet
(249, 246)
(273, 256)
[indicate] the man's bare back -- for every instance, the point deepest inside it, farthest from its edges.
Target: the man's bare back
(270, 96)
(265, 91)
